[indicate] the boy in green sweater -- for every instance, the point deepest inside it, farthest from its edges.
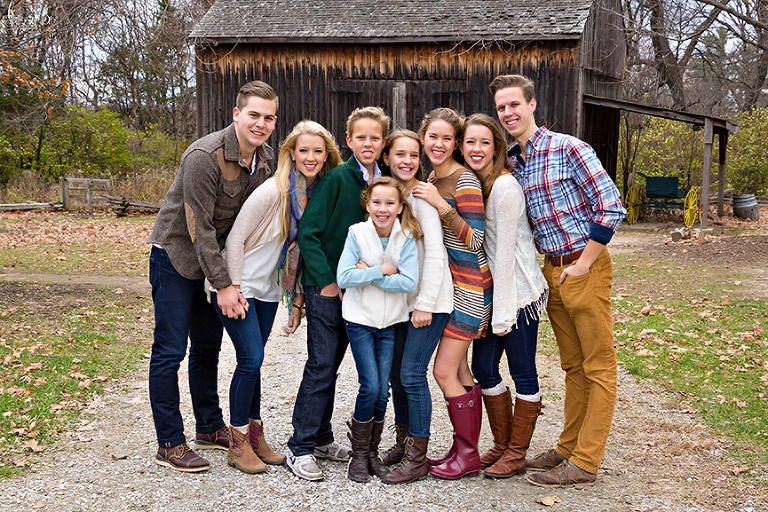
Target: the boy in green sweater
(335, 206)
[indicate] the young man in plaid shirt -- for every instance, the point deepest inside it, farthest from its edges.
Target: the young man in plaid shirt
(574, 208)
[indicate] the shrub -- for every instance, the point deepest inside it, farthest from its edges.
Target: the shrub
(83, 142)
(748, 155)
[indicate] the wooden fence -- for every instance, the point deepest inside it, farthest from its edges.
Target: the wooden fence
(84, 192)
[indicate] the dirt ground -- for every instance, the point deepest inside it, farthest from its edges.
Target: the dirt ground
(660, 454)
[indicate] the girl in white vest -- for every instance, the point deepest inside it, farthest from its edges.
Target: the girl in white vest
(378, 269)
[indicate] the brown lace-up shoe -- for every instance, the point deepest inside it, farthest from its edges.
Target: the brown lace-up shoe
(564, 475)
(218, 440)
(181, 458)
(544, 461)
(396, 452)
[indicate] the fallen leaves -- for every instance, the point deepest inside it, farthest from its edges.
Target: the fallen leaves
(34, 446)
(549, 501)
(20, 462)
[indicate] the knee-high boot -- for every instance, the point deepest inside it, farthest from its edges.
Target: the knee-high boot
(465, 413)
(436, 461)
(360, 436)
(499, 411)
(512, 461)
(375, 464)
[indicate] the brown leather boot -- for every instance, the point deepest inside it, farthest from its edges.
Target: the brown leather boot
(396, 452)
(564, 475)
(512, 461)
(375, 465)
(259, 444)
(360, 436)
(544, 461)
(181, 458)
(241, 455)
(414, 465)
(218, 440)
(499, 409)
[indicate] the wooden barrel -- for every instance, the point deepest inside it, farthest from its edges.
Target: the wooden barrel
(745, 206)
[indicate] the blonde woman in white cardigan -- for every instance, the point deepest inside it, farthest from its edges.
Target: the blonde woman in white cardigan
(264, 263)
(519, 296)
(416, 339)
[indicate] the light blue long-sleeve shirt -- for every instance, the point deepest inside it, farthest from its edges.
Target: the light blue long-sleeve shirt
(405, 281)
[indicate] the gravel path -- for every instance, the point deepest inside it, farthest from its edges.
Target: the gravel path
(660, 457)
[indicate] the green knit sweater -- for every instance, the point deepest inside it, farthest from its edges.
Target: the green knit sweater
(334, 206)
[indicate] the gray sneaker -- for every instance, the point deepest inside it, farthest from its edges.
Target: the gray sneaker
(333, 451)
(303, 466)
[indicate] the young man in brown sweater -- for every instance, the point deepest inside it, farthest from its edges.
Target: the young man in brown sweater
(216, 175)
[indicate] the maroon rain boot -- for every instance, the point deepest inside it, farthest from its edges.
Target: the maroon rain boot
(463, 411)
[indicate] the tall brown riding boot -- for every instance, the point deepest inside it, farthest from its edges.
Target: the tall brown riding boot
(414, 465)
(523, 425)
(499, 409)
(241, 455)
(259, 444)
(360, 436)
(396, 452)
(375, 466)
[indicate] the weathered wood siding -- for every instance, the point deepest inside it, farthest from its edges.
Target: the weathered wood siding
(326, 82)
(604, 48)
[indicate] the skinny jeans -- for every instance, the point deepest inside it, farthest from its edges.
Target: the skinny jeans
(372, 349)
(249, 336)
(413, 351)
(520, 346)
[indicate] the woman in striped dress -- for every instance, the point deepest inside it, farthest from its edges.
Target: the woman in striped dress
(456, 193)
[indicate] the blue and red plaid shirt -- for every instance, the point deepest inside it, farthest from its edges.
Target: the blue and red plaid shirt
(569, 196)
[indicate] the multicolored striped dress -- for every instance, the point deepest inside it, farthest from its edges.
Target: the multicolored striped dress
(463, 231)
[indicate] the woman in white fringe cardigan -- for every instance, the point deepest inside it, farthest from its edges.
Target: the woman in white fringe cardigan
(519, 296)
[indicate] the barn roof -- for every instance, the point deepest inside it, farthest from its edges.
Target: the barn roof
(371, 21)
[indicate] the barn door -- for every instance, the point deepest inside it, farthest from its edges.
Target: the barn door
(405, 101)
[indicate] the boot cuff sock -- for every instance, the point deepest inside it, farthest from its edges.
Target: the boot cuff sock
(496, 390)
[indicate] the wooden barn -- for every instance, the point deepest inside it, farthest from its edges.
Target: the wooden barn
(327, 57)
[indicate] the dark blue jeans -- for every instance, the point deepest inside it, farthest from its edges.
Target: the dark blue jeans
(182, 311)
(372, 349)
(249, 336)
(326, 344)
(520, 345)
(411, 399)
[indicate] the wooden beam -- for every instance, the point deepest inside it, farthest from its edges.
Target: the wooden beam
(723, 144)
(708, 141)
(718, 124)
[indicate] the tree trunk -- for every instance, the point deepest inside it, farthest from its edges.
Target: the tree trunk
(670, 72)
(750, 100)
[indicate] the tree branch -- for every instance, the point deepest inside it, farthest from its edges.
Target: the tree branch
(735, 13)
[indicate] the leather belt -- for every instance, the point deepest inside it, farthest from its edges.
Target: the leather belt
(561, 261)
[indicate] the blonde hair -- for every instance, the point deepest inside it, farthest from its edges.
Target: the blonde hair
(374, 113)
(285, 163)
(500, 159)
(407, 219)
(451, 117)
(399, 134)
